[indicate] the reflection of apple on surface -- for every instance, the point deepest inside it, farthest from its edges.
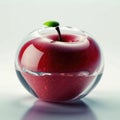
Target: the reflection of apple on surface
(59, 67)
(47, 111)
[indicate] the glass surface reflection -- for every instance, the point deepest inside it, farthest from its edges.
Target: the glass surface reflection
(67, 111)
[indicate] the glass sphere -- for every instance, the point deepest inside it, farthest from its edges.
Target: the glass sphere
(58, 69)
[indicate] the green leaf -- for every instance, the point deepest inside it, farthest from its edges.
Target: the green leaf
(51, 24)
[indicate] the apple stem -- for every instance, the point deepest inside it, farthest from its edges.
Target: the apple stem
(59, 34)
(56, 25)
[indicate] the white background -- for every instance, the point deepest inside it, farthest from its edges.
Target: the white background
(100, 18)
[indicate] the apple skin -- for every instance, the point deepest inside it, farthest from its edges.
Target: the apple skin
(49, 55)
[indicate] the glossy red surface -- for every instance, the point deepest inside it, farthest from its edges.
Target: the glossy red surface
(55, 56)
(67, 56)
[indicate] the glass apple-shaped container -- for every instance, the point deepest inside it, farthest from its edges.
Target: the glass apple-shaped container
(58, 64)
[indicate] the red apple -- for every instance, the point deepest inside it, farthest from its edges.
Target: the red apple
(73, 54)
(65, 60)
(59, 67)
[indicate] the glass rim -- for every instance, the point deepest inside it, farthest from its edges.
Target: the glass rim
(69, 74)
